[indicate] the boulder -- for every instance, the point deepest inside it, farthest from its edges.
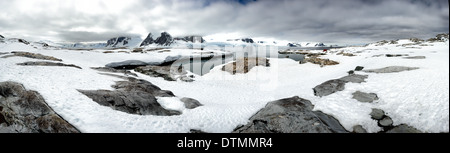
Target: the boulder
(26, 111)
(359, 68)
(290, 115)
(377, 114)
(190, 103)
(403, 128)
(129, 64)
(386, 122)
(364, 97)
(331, 86)
(148, 40)
(133, 96)
(391, 69)
(244, 65)
(359, 129)
(47, 64)
(354, 78)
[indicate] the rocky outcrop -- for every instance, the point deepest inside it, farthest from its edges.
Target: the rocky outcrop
(25, 111)
(384, 42)
(321, 62)
(364, 97)
(1, 37)
(403, 128)
(415, 57)
(243, 65)
(164, 40)
(32, 55)
(290, 115)
(148, 40)
(129, 64)
(168, 72)
(133, 96)
(335, 85)
(47, 64)
(112, 70)
(23, 41)
(190, 103)
(439, 38)
(396, 55)
(391, 69)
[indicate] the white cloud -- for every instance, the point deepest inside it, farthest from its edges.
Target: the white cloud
(329, 21)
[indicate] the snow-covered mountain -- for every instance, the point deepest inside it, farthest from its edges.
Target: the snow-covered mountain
(123, 41)
(306, 44)
(245, 40)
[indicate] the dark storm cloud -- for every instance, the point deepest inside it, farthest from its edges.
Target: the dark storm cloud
(329, 21)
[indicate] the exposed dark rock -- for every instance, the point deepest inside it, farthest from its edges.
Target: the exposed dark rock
(1, 37)
(243, 65)
(359, 68)
(384, 42)
(391, 69)
(290, 115)
(133, 96)
(164, 40)
(377, 114)
(129, 64)
(196, 131)
(329, 87)
(396, 55)
(364, 97)
(33, 55)
(25, 111)
(403, 128)
(415, 57)
(47, 64)
(169, 73)
(345, 54)
(148, 40)
(107, 69)
(416, 40)
(190, 103)
(2, 53)
(321, 62)
(23, 41)
(386, 122)
(359, 129)
(335, 85)
(351, 72)
(439, 38)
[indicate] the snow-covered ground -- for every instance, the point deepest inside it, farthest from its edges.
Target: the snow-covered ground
(419, 98)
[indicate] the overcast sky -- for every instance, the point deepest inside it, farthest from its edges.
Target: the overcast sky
(328, 21)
